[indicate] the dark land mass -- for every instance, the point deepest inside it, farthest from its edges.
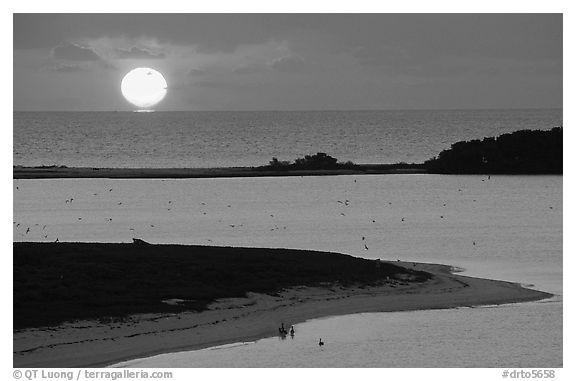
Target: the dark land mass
(520, 152)
(59, 282)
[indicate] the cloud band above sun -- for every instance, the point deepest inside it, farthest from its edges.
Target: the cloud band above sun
(291, 61)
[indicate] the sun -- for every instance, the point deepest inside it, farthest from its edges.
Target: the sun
(144, 87)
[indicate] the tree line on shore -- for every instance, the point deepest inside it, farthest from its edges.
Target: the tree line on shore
(520, 152)
(318, 161)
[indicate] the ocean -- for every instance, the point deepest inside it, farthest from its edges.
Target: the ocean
(225, 139)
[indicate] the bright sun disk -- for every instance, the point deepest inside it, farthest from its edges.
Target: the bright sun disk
(144, 87)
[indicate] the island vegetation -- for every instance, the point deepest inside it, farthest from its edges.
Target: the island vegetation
(520, 152)
(320, 160)
(59, 282)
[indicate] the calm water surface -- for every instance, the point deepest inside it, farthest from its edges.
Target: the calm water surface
(521, 335)
(215, 139)
(514, 221)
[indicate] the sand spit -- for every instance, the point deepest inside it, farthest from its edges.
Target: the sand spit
(95, 344)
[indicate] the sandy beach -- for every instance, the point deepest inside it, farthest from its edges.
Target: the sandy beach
(96, 344)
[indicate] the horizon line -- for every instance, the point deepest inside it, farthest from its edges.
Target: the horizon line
(316, 110)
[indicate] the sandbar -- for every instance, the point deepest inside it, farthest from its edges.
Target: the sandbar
(98, 344)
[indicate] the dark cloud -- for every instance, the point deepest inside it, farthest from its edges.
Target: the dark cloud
(196, 72)
(251, 69)
(73, 52)
(208, 32)
(214, 84)
(420, 36)
(508, 35)
(137, 53)
(380, 56)
(289, 64)
(68, 68)
(402, 61)
(343, 60)
(106, 65)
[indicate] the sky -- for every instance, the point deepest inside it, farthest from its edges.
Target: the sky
(75, 62)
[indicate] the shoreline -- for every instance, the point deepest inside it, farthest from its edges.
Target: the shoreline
(44, 173)
(232, 320)
(56, 172)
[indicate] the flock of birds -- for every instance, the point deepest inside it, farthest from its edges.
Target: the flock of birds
(42, 231)
(69, 200)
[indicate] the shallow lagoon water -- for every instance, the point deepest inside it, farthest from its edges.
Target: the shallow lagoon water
(505, 227)
(521, 335)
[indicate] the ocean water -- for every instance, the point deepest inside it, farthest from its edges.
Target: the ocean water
(221, 139)
(505, 227)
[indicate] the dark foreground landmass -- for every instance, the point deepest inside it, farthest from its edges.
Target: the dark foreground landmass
(103, 283)
(520, 152)
(58, 282)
